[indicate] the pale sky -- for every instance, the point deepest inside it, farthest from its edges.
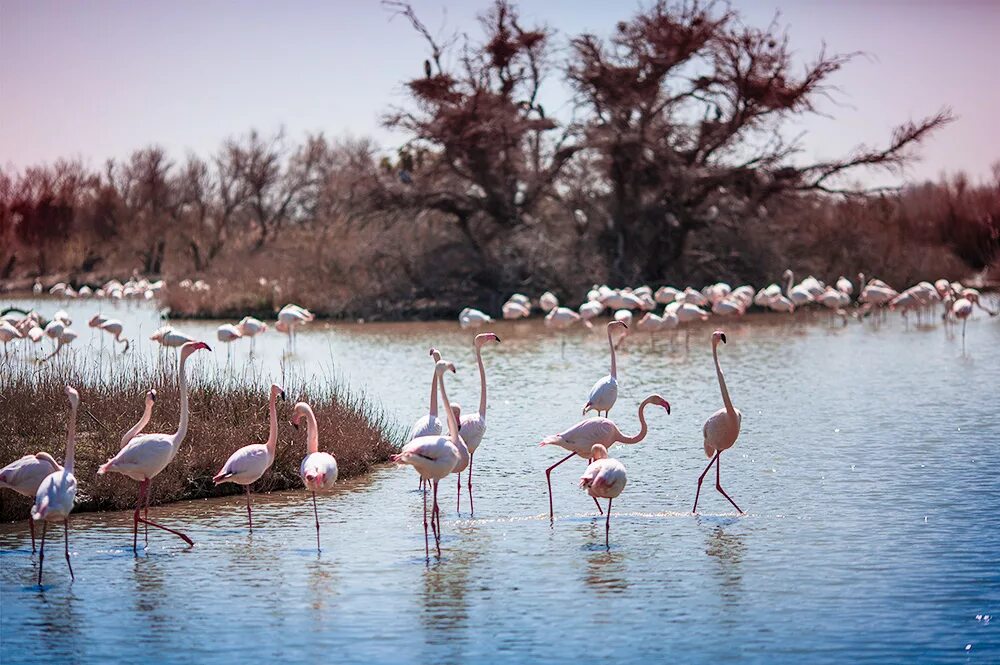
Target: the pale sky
(97, 79)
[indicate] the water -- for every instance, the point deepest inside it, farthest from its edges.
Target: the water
(867, 464)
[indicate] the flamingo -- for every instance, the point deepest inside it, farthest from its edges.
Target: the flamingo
(291, 316)
(799, 294)
(25, 475)
(559, 319)
(515, 310)
(434, 457)
(604, 478)
(227, 333)
(251, 327)
(8, 333)
(57, 491)
(548, 301)
(170, 337)
(473, 318)
(318, 471)
(604, 393)
(66, 336)
(145, 456)
(429, 425)
(473, 426)
(113, 327)
(721, 429)
(581, 438)
(248, 464)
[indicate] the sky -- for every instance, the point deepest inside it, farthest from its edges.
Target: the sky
(95, 80)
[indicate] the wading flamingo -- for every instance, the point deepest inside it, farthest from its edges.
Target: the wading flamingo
(113, 327)
(145, 456)
(605, 478)
(434, 457)
(57, 491)
(605, 392)
(473, 426)
(721, 429)
(318, 470)
(25, 475)
(249, 463)
(583, 436)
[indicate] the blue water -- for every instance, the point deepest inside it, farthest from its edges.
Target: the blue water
(868, 466)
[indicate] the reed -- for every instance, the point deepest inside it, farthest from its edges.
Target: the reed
(228, 410)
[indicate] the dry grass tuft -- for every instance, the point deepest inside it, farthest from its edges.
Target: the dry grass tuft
(226, 413)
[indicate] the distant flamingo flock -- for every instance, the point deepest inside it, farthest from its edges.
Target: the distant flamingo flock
(441, 445)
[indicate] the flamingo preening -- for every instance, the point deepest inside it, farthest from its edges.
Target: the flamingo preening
(721, 429)
(25, 475)
(473, 425)
(318, 470)
(57, 491)
(434, 457)
(581, 438)
(248, 464)
(145, 456)
(604, 478)
(605, 392)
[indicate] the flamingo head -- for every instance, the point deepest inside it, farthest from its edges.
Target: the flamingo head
(482, 338)
(457, 410)
(435, 354)
(786, 274)
(299, 412)
(96, 320)
(617, 324)
(599, 452)
(277, 391)
(191, 347)
(442, 366)
(151, 396)
(74, 397)
(659, 401)
(718, 336)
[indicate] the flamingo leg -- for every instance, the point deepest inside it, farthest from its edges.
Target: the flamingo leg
(598, 504)
(148, 522)
(437, 512)
(145, 510)
(472, 505)
(41, 553)
(718, 484)
(548, 479)
(427, 550)
(66, 534)
(701, 478)
(607, 526)
(458, 504)
(135, 517)
(316, 513)
(31, 527)
(249, 512)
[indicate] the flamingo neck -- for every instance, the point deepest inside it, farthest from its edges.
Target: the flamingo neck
(452, 420)
(614, 365)
(433, 410)
(182, 426)
(71, 441)
(147, 414)
(312, 433)
(482, 382)
(272, 432)
(643, 428)
(730, 411)
(788, 284)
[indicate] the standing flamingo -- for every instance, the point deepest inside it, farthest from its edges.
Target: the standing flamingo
(144, 457)
(57, 491)
(473, 426)
(429, 425)
(721, 429)
(583, 436)
(318, 471)
(113, 327)
(434, 457)
(605, 392)
(605, 478)
(249, 463)
(25, 475)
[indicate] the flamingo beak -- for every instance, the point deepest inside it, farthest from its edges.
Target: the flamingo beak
(666, 405)
(293, 424)
(497, 338)
(624, 325)
(723, 336)
(282, 395)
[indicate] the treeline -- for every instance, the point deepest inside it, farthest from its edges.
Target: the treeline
(673, 167)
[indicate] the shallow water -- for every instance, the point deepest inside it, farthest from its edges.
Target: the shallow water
(867, 464)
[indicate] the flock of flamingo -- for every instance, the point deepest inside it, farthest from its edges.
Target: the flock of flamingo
(440, 447)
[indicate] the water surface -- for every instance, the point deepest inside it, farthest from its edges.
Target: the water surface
(867, 464)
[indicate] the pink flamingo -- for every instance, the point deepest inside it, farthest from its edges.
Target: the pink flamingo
(583, 436)
(25, 475)
(604, 393)
(721, 429)
(144, 457)
(57, 491)
(248, 464)
(473, 426)
(604, 478)
(318, 470)
(434, 457)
